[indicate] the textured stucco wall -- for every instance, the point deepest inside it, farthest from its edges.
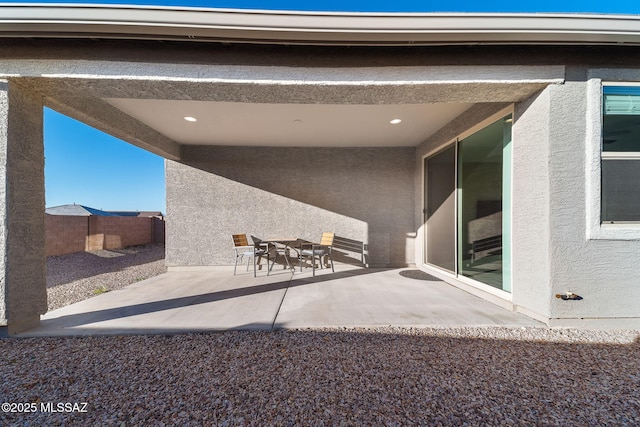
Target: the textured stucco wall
(23, 294)
(364, 194)
(531, 287)
(604, 271)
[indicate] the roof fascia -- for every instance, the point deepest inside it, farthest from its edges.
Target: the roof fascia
(312, 28)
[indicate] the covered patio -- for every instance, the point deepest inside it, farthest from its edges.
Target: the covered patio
(277, 124)
(216, 300)
(327, 157)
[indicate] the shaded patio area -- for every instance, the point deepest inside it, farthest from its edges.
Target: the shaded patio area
(215, 300)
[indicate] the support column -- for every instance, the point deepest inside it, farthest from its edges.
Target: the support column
(23, 293)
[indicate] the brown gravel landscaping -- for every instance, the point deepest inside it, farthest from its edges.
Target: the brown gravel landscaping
(340, 377)
(78, 276)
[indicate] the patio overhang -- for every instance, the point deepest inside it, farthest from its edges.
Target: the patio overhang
(244, 105)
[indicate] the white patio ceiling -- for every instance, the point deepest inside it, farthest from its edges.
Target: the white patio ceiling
(286, 125)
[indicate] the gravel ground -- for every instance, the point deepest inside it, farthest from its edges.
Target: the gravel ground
(339, 377)
(78, 276)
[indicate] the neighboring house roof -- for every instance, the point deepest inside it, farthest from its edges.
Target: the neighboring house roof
(150, 213)
(137, 213)
(324, 28)
(76, 210)
(123, 213)
(80, 210)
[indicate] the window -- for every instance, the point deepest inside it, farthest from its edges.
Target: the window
(620, 155)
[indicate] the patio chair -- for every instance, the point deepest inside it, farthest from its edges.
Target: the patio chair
(283, 248)
(253, 252)
(320, 250)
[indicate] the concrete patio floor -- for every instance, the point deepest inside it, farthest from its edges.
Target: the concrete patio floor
(214, 300)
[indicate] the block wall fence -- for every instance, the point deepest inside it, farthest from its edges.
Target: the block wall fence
(69, 234)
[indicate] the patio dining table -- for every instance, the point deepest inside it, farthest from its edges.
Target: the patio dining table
(284, 245)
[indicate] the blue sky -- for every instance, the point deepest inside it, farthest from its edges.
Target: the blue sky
(592, 6)
(88, 167)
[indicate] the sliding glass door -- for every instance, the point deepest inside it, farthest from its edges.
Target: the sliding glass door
(468, 204)
(440, 213)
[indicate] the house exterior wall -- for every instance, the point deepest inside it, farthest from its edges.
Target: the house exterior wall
(556, 146)
(530, 215)
(556, 134)
(363, 194)
(603, 269)
(23, 295)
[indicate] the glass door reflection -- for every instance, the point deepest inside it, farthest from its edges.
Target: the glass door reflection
(439, 210)
(481, 219)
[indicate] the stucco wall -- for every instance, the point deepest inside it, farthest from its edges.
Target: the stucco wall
(364, 194)
(530, 241)
(604, 271)
(555, 134)
(23, 295)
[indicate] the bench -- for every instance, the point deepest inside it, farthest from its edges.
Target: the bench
(351, 245)
(486, 244)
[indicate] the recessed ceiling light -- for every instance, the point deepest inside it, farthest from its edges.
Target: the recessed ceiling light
(190, 119)
(395, 121)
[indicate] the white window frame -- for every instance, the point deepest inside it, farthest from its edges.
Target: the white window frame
(596, 229)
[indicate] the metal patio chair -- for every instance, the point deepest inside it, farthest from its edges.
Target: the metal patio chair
(283, 248)
(253, 252)
(320, 250)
